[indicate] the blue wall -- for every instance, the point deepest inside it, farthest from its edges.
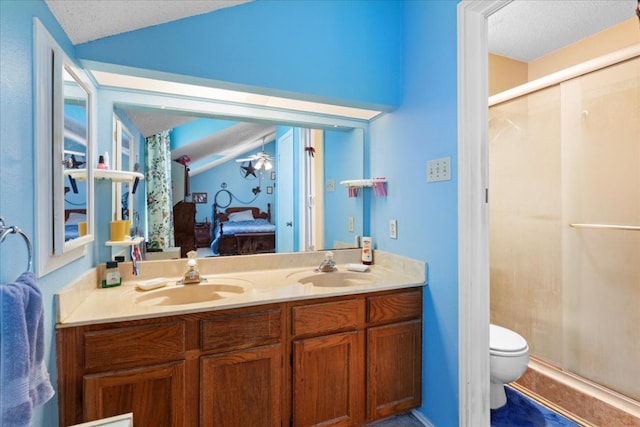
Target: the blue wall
(277, 44)
(17, 164)
(343, 155)
(390, 53)
(424, 128)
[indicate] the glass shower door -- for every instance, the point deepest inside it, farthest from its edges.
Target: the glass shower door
(601, 207)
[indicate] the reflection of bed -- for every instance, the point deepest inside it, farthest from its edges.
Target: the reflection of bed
(71, 219)
(242, 231)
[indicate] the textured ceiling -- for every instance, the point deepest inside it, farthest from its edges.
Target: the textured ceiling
(528, 29)
(87, 20)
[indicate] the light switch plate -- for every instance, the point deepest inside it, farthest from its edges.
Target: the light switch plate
(331, 185)
(439, 169)
(393, 229)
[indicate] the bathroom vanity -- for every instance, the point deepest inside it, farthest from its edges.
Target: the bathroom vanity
(299, 353)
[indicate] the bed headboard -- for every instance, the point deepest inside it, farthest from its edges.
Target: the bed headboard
(223, 216)
(68, 212)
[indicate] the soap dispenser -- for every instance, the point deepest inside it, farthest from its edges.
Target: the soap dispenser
(193, 274)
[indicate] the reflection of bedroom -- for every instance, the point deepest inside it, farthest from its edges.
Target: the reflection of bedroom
(216, 170)
(221, 174)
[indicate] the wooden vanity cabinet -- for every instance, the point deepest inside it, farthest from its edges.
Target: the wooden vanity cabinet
(111, 369)
(394, 353)
(155, 394)
(339, 361)
(241, 369)
(328, 363)
(355, 359)
(188, 370)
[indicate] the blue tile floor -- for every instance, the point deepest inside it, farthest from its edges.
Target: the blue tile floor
(520, 411)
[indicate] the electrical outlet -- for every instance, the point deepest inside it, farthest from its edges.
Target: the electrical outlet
(331, 185)
(439, 169)
(351, 223)
(393, 228)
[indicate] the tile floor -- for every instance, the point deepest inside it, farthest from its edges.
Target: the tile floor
(402, 420)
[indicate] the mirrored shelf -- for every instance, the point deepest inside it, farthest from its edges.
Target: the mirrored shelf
(113, 175)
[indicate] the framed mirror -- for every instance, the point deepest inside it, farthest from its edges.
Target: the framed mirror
(333, 218)
(64, 137)
(75, 163)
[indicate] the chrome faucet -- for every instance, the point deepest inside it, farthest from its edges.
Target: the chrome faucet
(328, 265)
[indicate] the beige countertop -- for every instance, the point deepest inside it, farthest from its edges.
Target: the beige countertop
(255, 280)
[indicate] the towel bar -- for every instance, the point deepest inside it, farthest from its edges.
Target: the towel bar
(607, 226)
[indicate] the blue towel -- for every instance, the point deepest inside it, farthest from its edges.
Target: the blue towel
(24, 380)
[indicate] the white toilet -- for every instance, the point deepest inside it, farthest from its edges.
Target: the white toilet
(509, 357)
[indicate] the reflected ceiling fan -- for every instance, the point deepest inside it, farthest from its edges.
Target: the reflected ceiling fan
(258, 161)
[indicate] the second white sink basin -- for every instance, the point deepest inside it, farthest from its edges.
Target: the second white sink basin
(336, 278)
(189, 294)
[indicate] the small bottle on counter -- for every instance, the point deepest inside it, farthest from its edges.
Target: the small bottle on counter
(111, 276)
(367, 251)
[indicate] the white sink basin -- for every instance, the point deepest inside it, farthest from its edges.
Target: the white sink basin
(189, 294)
(336, 278)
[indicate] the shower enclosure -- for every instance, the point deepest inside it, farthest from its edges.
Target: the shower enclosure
(565, 223)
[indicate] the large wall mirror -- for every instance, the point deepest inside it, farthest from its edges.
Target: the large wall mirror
(315, 192)
(64, 140)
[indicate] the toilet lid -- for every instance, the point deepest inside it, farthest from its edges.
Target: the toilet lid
(505, 340)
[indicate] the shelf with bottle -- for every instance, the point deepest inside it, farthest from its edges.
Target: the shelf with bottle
(370, 182)
(377, 184)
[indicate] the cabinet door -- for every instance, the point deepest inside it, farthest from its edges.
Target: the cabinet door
(155, 395)
(394, 368)
(241, 388)
(328, 380)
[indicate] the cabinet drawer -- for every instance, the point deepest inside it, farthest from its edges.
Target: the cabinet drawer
(241, 330)
(326, 317)
(133, 346)
(403, 305)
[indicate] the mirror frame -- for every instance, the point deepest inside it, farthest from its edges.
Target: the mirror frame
(120, 130)
(50, 61)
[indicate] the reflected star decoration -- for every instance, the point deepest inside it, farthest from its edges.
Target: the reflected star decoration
(249, 170)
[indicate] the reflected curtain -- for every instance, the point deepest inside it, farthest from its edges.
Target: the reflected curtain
(158, 176)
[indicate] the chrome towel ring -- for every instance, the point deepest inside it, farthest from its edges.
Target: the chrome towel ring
(7, 229)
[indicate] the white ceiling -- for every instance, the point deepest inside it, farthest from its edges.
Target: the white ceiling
(88, 20)
(528, 29)
(522, 30)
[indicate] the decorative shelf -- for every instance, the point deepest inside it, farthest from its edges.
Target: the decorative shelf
(362, 182)
(132, 242)
(113, 175)
(376, 183)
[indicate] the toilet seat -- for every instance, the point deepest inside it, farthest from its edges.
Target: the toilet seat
(505, 342)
